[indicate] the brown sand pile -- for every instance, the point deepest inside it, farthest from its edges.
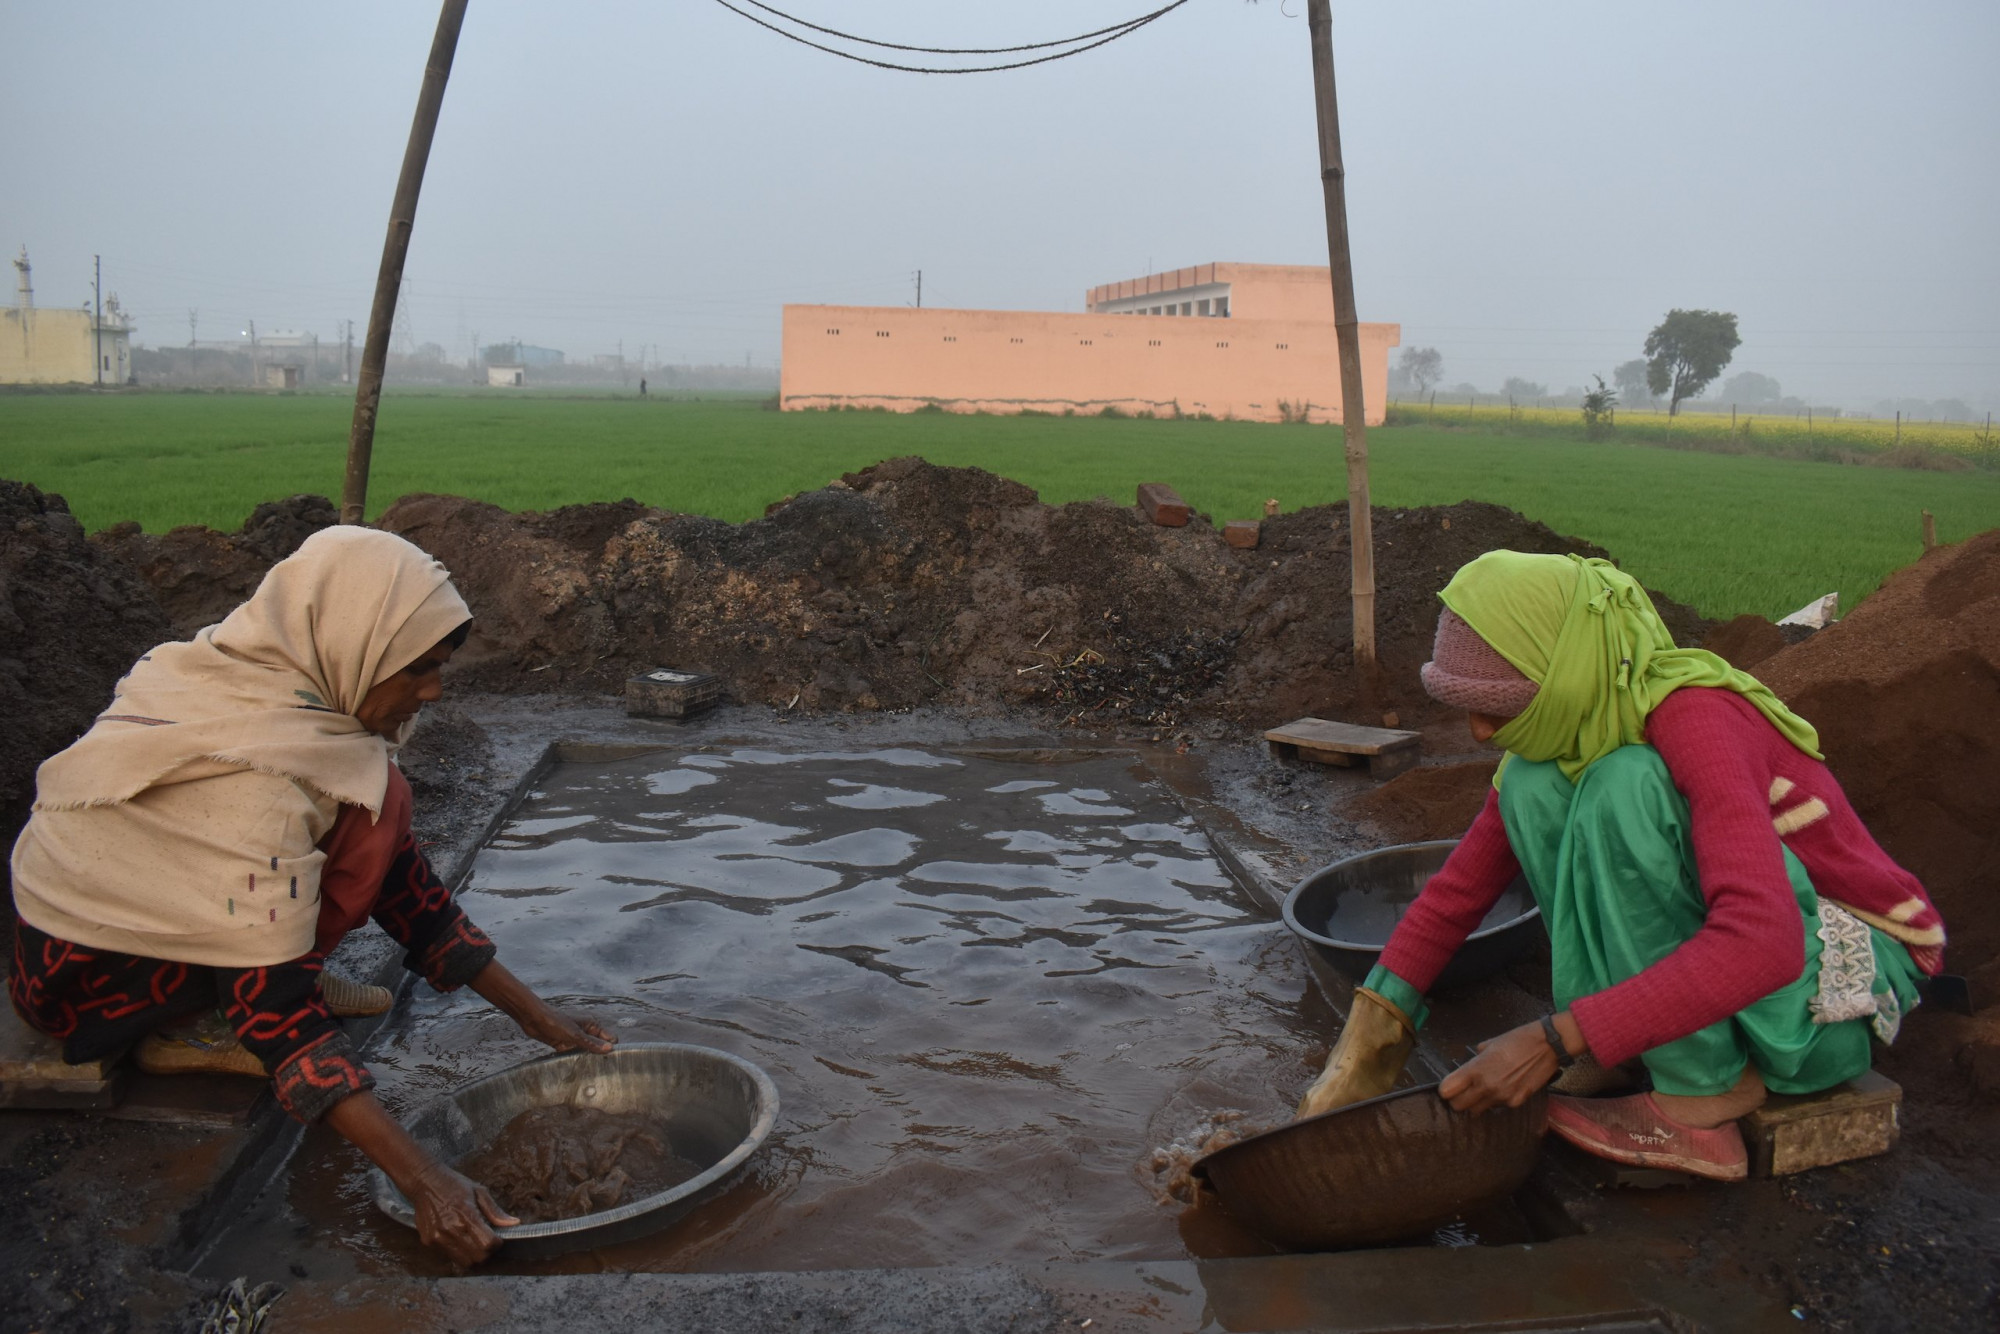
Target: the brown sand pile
(1905, 693)
(1438, 801)
(907, 584)
(71, 623)
(1745, 641)
(564, 1162)
(200, 575)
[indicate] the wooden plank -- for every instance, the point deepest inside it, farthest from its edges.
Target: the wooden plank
(1348, 738)
(34, 1074)
(1163, 505)
(1857, 1119)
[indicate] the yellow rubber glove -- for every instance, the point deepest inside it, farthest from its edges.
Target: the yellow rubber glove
(1373, 1047)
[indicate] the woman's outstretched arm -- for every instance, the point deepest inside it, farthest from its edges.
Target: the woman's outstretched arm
(454, 1214)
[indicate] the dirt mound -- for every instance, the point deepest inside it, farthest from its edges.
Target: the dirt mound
(1439, 801)
(72, 622)
(200, 575)
(1745, 641)
(908, 583)
(1906, 695)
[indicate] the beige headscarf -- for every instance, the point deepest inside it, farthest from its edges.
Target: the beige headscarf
(225, 758)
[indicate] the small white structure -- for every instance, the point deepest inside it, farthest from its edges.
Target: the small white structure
(507, 377)
(43, 346)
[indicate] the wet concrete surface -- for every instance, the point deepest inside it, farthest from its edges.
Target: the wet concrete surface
(101, 1218)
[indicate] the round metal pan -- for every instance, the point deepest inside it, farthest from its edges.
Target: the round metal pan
(1383, 1170)
(717, 1109)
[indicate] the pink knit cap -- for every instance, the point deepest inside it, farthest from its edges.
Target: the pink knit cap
(1468, 673)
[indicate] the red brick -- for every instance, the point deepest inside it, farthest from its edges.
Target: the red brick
(1163, 505)
(1241, 532)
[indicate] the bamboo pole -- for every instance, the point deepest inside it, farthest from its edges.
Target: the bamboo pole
(1347, 333)
(389, 278)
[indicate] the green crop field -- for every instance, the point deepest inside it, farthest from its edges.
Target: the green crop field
(1729, 533)
(1937, 444)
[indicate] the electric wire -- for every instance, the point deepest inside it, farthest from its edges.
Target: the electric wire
(963, 50)
(1125, 29)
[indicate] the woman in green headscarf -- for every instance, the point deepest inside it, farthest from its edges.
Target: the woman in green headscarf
(1715, 909)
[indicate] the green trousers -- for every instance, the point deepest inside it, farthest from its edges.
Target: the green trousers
(1611, 862)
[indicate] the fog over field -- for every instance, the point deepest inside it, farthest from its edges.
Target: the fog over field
(1531, 188)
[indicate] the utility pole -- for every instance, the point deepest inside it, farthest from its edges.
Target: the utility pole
(1347, 333)
(395, 248)
(97, 324)
(347, 357)
(920, 289)
(194, 318)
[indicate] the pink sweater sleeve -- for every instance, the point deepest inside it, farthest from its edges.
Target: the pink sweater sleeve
(1454, 901)
(1752, 941)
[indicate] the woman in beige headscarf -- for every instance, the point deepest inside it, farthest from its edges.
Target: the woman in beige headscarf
(229, 817)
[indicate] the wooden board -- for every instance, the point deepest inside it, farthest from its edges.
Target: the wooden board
(1385, 750)
(1341, 738)
(1857, 1119)
(34, 1074)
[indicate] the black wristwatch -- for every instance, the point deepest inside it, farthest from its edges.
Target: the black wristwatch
(1563, 1059)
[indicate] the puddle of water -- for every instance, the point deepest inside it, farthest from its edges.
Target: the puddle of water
(986, 990)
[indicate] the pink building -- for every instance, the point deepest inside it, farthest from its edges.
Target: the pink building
(1253, 342)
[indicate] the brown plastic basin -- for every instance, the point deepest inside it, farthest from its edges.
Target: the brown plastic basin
(1377, 1171)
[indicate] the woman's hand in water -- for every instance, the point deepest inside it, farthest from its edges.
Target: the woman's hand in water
(453, 1214)
(566, 1033)
(537, 1018)
(1509, 1069)
(456, 1215)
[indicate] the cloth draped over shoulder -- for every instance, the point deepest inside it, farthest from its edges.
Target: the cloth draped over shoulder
(183, 824)
(1587, 633)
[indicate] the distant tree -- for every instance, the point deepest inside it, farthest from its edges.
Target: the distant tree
(1517, 388)
(1630, 377)
(1752, 390)
(1599, 408)
(1424, 366)
(1686, 351)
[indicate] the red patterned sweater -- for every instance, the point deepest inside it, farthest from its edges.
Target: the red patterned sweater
(1750, 793)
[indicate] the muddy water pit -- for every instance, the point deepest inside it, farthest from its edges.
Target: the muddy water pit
(988, 992)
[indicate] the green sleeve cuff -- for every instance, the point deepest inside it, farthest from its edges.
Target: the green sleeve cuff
(1399, 994)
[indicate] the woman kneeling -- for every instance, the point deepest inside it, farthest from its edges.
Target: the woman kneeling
(222, 826)
(1715, 908)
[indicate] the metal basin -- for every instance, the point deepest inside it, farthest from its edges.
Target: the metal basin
(1346, 911)
(1383, 1170)
(717, 1109)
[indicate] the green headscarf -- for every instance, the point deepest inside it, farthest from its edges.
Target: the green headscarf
(1586, 632)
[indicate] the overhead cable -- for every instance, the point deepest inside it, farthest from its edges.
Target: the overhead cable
(1091, 41)
(965, 50)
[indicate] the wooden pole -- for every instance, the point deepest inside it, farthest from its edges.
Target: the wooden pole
(1930, 530)
(389, 278)
(1347, 333)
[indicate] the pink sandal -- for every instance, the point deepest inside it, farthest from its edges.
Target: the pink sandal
(1634, 1131)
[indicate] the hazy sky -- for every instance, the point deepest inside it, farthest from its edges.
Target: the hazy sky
(1531, 186)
